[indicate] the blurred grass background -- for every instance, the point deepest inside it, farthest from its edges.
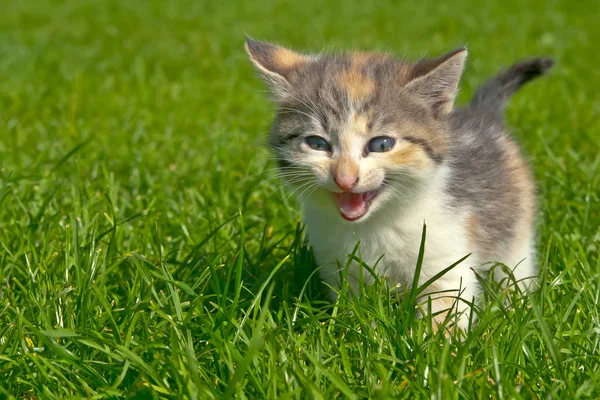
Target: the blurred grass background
(131, 131)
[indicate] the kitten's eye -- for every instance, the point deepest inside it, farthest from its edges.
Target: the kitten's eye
(318, 143)
(381, 144)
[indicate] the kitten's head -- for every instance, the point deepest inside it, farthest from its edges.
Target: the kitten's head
(356, 131)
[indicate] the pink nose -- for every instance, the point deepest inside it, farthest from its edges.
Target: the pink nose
(346, 182)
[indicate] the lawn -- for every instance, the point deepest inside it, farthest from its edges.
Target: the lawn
(145, 253)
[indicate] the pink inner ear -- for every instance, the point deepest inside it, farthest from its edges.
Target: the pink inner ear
(441, 101)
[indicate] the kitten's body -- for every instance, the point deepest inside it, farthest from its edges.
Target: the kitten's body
(467, 207)
(373, 147)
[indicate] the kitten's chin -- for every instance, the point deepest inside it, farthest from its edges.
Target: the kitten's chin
(354, 206)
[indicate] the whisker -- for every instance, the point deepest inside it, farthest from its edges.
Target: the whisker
(312, 185)
(304, 198)
(297, 189)
(305, 195)
(280, 169)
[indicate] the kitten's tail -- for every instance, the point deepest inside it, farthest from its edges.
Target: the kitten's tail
(493, 94)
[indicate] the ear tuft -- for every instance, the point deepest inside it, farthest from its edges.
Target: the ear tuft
(436, 80)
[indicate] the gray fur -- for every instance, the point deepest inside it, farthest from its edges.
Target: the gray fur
(314, 91)
(478, 160)
(471, 140)
(493, 94)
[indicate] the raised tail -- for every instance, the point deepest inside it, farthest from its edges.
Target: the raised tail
(493, 94)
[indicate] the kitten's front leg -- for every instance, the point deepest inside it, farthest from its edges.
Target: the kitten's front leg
(450, 298)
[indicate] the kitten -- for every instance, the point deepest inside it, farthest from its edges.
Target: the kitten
(373, 147)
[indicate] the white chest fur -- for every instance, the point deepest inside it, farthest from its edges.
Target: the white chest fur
(390, 241)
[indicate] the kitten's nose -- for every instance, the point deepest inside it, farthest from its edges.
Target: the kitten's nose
(346, 182)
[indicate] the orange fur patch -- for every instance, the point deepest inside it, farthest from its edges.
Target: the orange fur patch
(353, 81)
(472, 227)
(442, 303)
(405, 74)
(443, 306)
(286, 59)
(359, 59)
(360, 122)
(356, 84)
(521, 178)
(523, 187)
(411, 154)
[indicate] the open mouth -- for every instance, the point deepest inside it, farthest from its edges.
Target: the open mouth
(354, 206)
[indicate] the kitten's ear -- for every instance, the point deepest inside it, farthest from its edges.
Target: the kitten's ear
(275, 63)
(436, 80)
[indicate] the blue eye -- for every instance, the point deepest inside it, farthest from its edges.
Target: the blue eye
(318, 143)
(381, 144)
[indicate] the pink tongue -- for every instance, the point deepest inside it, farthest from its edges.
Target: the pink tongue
(352, 205)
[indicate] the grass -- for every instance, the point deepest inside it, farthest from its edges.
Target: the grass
(144, 252)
